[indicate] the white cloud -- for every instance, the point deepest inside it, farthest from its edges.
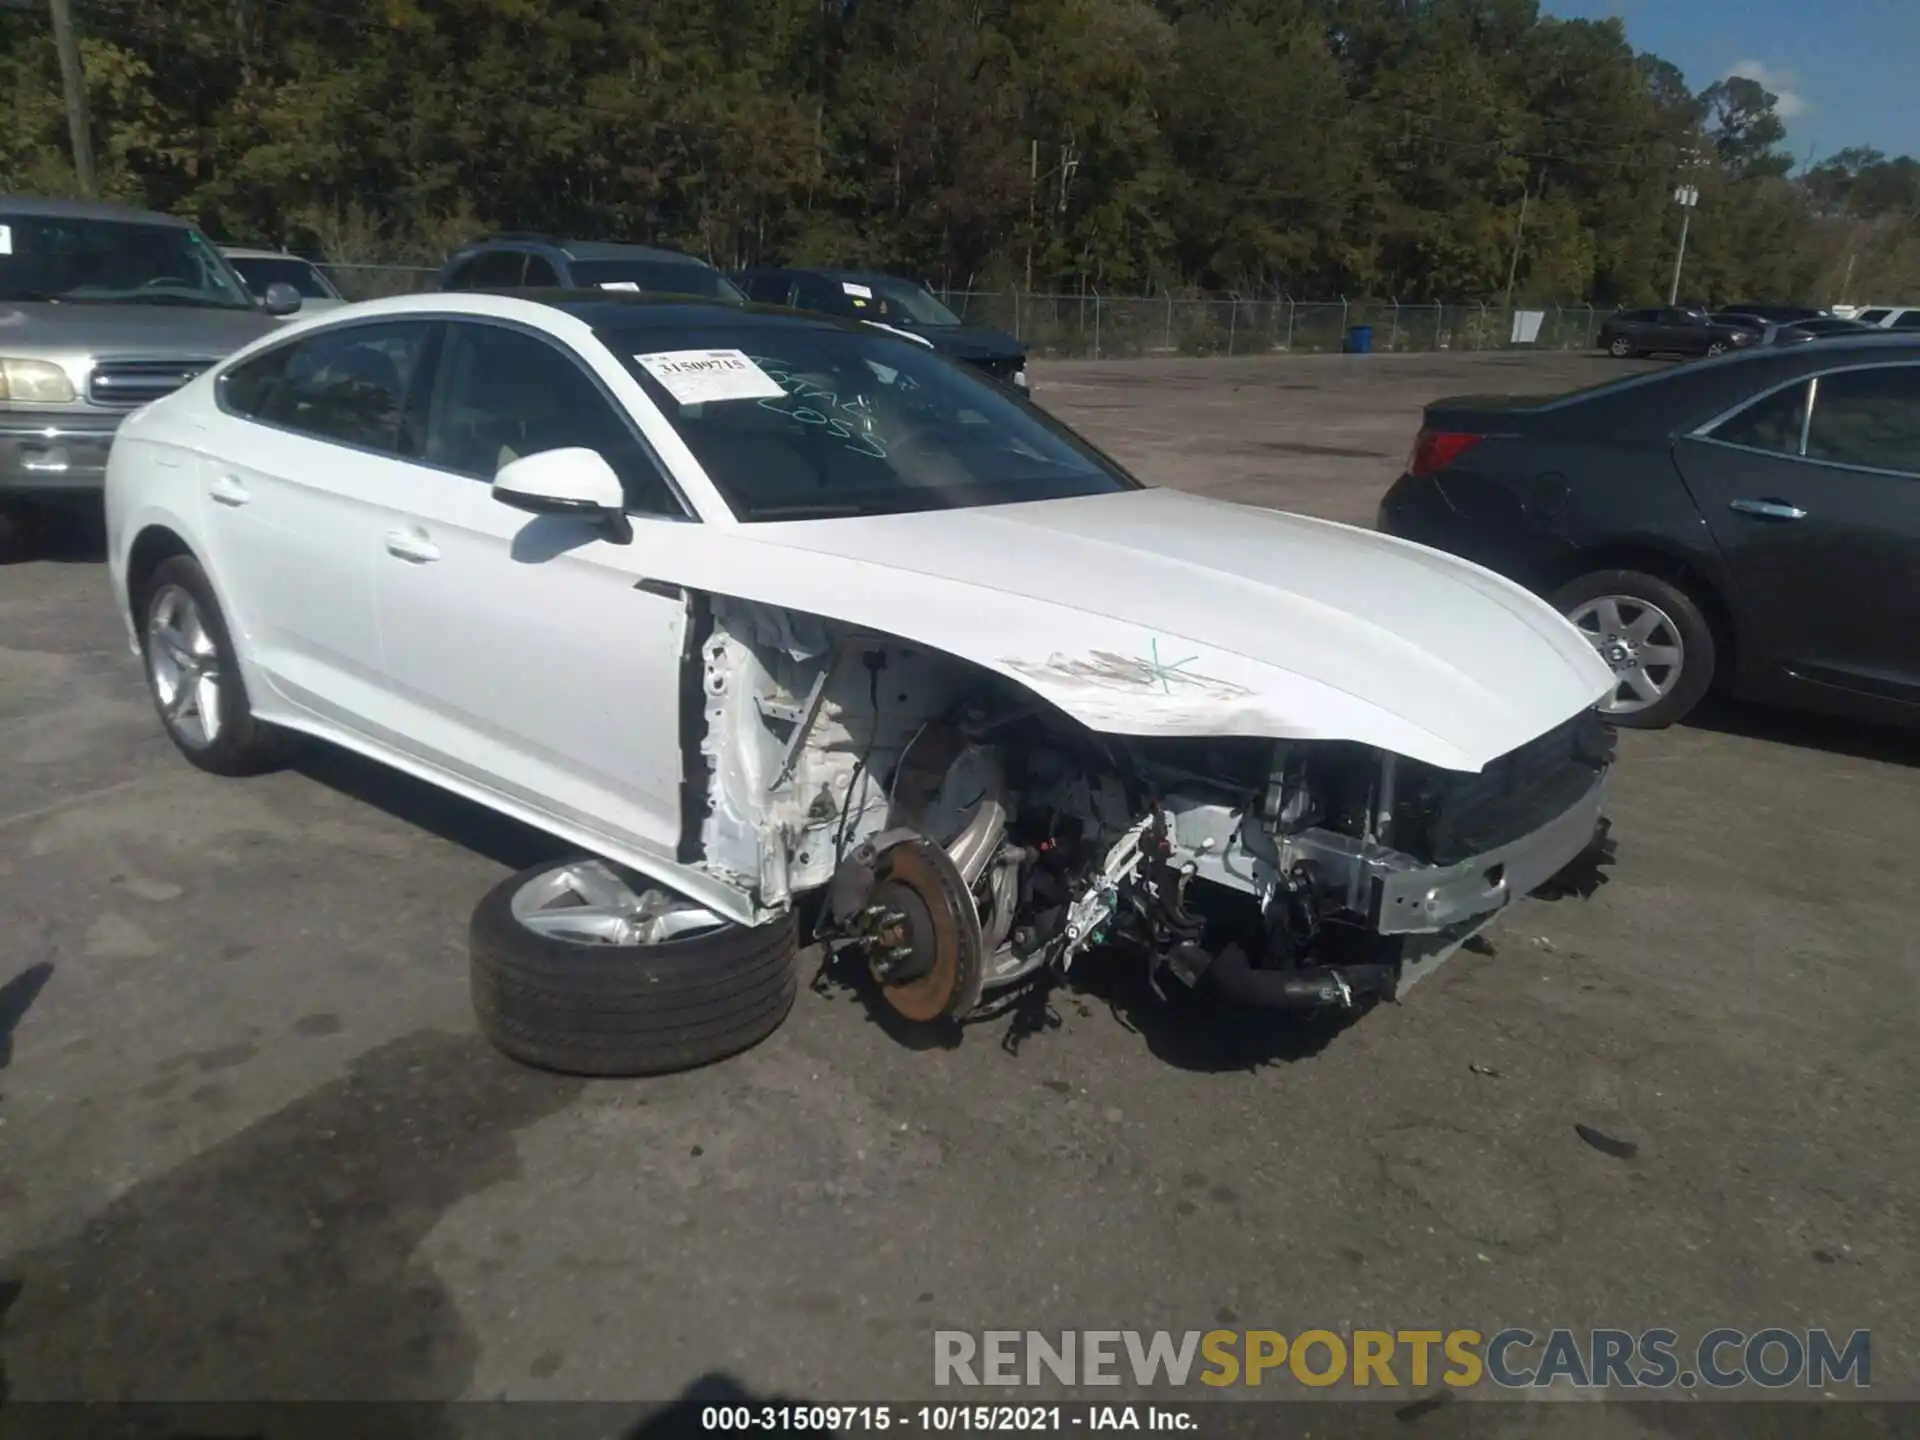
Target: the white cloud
(1784, 84)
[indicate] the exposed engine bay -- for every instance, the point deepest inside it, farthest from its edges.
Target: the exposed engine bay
(969, 836)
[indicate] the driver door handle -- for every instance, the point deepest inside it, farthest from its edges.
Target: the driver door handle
(226, 490)
(1768, 509)
(412, 545)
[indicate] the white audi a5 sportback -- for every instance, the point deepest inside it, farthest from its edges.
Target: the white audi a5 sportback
(749, 604)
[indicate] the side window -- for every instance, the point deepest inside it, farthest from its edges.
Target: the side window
(460, 277)
(497, 270)
(1906, 320)
(540, 272)
(350, 385)
(1773, 422)
(1871, 317)
(810, 292)
(502, 394)
(774, 289)
(1868, 417)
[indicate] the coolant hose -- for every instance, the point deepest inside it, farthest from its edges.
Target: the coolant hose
(1233, 978)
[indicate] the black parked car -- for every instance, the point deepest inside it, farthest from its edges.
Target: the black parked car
(1753, 522)
(1672, 330)
(890, 300)
(1779, 314)
(1824, 327)
(537, 262)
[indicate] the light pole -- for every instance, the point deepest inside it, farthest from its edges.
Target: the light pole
(1686, 197)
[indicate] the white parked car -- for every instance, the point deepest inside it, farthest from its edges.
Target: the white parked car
(261, 268)
(1889, 317)
(752, 605)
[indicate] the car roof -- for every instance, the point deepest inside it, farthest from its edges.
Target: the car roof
(54, 209)
(595, 309)
(827, 272)
(582, 249)
(248, 252)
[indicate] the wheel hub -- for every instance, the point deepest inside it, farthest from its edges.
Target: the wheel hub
(921, 934)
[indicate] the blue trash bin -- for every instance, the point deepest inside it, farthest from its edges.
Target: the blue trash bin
(1360, 340)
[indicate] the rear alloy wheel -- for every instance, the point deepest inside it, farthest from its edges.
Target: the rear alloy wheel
(581, 968)
(1653, 637)
(1621, 347)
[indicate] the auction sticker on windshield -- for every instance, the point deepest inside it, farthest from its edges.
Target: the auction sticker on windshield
(696, 377)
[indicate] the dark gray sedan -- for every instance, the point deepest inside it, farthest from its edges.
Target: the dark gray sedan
(1751, 522)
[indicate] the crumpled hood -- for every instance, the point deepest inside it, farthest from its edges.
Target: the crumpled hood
(1154, 612)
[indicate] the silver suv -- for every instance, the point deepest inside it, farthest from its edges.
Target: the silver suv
(102, 308)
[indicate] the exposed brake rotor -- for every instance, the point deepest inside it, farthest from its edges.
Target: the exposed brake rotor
(923, 931)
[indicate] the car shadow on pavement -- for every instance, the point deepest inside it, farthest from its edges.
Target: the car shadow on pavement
(16, 998)
(63, 537)
(284, 1261)
(1193, 1031)
(1810, 730)
(427, 807)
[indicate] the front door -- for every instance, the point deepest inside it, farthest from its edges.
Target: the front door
(532, 653)
(1813, 495)
(311, 436)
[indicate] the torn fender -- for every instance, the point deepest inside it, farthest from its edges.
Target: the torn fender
(1154, 612)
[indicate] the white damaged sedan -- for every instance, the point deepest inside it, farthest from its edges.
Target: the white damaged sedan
(752, 606)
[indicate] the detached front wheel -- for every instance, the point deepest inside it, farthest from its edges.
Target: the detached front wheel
(577, 968)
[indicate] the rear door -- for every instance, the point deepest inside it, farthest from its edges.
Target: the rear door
(530, 654)
(311, 436)
(1812, 493)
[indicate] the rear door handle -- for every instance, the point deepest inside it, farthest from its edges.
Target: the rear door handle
(412, 545)
(226, 490)
(1768, 509)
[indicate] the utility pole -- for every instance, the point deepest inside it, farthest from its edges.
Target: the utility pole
(74, 83)
(1519, 233)
(1686, 197)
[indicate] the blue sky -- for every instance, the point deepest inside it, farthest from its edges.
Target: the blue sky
(1847, 71)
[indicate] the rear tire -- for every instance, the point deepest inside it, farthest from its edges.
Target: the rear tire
(1651, 618)
(594, 1001)
(1620, 348)
(193, 675)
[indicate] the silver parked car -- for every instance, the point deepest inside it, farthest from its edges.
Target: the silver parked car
(263, 269)
(102, 308)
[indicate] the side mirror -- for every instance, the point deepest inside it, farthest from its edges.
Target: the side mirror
(280, 299)
(573, 481)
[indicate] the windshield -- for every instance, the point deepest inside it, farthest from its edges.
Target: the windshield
(120, 262)
(261, 271)
(798, 422)
(904, 303)
(657, 277)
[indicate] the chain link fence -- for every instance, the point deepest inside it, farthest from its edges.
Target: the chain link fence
(1121, 327)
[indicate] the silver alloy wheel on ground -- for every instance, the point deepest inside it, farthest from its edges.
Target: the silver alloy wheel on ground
(1718, 347)
(1621, 346)
(183, 667)
(587, 902)
(1640, 642)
